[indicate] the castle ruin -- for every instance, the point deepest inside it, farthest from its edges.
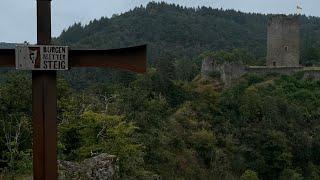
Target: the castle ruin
(283, 54)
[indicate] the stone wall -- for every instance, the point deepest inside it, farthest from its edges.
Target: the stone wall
(283, 42)
(277, 70)
(229, 71)
(312, 74)
(207, 66)
(232, 71)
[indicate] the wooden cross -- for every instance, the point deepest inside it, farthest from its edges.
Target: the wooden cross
(44, 93)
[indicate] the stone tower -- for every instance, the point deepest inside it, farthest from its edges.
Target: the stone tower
(283, 41)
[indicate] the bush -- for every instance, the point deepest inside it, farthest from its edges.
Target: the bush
(249, 175)
(289, 174)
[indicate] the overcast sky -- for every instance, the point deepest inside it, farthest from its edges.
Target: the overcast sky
(18, 17)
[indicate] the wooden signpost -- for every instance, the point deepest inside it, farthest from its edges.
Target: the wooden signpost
(44, 93)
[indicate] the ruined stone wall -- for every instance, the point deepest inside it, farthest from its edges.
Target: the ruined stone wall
(207, 66)
(283, 41)
(277, 70)
(311, 74)
(229, 71)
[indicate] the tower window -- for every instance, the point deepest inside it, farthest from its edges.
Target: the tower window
(286, 48)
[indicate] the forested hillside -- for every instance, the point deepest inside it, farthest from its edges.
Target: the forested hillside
(184, 32)
(6, 45)
(172, 123)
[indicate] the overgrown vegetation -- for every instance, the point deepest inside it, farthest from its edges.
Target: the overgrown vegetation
(264, 127)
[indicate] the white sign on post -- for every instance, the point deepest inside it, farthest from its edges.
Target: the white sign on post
(41, 57)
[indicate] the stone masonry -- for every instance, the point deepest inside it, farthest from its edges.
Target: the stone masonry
(283, 41)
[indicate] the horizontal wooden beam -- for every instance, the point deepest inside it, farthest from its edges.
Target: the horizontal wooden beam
(132, 58)
(7, 58)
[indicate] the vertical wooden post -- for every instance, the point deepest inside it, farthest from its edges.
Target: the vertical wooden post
(44, 106)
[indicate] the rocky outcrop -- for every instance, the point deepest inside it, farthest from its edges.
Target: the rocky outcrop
(101, 167)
